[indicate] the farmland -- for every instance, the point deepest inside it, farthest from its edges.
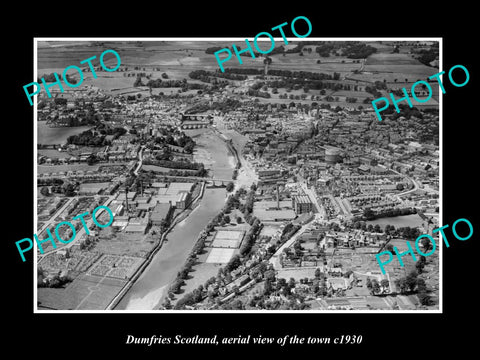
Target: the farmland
(178, 59)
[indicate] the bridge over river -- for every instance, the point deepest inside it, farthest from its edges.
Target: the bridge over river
(213, 181)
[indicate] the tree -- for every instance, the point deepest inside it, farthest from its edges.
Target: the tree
(421, 285)
(411, 280)
(92, 159)
(69, 189)
(318, 273)
(138, 82)
(369, 215)
(239, 219)
(230, 186)
(385, 284)
(401, 285)
(267, 287)
(44, 191)
(427, 245)
(389, 247)
(167, 304)
(375, 287)
(419, 266)
(424, 298)
(226, 219)
(369, 284)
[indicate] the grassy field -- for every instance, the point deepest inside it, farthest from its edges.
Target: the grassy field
(51, 153)
(198, 276)
(42, 169)
(120, 243)
(85, 292)
(384, 58)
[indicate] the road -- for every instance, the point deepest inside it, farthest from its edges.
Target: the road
(362, 67)
(415, 185)
(320, 214)
(275, 259)
(140, 160)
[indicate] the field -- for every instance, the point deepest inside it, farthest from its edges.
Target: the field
(297, 273)
(120, 243)
(200, 273)
(178, 58)
(42, 169)
(161, 169)
(51, 153)
(121, 267)
(84, 293)
(394, 267)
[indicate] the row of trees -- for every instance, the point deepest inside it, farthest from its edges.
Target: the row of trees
(177, 164)
(369, 214)
(183, 274)
(159, 83)
(283, 73)
(250, 237)
(180, 168)
(68, 189)
(407, 232)
(49, 181)
(298, 83)
(205, 76)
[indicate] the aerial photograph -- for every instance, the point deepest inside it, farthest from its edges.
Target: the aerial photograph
(270, 186)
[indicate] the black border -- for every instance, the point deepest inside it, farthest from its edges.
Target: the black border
(85, 334)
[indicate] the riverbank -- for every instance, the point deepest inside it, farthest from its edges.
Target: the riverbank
(179, 218)
(246, 173)
(152, 284)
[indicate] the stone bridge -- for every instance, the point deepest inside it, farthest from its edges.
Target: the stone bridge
(209, 181)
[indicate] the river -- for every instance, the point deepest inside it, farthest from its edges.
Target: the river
(59, 135)
(151, 286)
